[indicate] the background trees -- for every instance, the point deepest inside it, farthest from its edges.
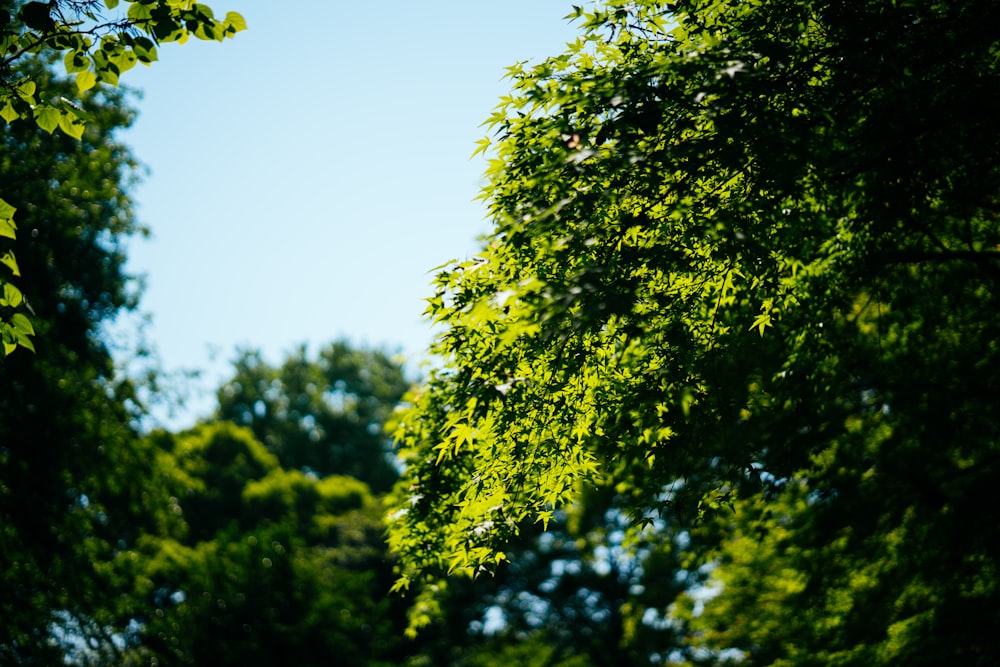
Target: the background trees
(727, 270)
(264, 564)
(323, 415)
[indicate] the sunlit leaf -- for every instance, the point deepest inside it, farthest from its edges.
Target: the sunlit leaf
(47, 118)
(85, 80)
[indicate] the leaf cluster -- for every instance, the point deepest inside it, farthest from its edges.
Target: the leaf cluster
(98, 42)
(716, 238)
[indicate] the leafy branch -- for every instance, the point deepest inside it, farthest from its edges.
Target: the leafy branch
(97, 51)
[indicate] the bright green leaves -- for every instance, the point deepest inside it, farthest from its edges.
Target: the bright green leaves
(7, 226)
(763, 320)
(15, 328)
(121, 43)
(16, 333)
(663, 194)
(66, 119)
(579, 340)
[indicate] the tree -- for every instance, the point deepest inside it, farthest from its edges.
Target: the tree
(97, 47)
(75, 487)
(323, 415)
(264, 564)
(724, 259)
(277, 550)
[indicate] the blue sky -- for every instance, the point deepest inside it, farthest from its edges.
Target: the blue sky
(306, 176)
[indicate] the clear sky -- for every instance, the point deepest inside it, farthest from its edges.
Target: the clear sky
(306, 177)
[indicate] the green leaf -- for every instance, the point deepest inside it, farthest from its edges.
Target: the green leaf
(47, 118)
(140, 12)
(6, 211)
(86, 80)
(10, 262)
(8, 113)
(71, 125)
(11, 296)
(21, 323)
(235, 21)
(145, 50)
(764, 319)
(76, 61)
(26, 90)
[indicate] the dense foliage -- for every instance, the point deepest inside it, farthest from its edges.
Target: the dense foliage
(744, 257)
(323, 415)
(262, 564)
(720, 387)
(71, 468)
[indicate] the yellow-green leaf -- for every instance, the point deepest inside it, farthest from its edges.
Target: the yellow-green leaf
(21, 323)
(86, 80)
(235, 21)
(25, 89)
(11, 296)
(71, 125)
(10, 262)
(47, 118)
(7, 212)
(8, 113)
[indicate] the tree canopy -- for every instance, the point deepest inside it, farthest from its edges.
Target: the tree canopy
(261, 564)
(322, 413)
(97, 41)
(740, 251)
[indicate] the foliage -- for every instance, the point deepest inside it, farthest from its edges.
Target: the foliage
(892, 520)
(75, 487)
(98, 41)
(572, 594)
(322, 414)
(735, 245)
(266, 565)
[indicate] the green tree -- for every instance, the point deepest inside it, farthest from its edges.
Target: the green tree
(324, 415)
(75, 488)
(265, 565)
(98, 41)
(735, 244)
(884, 550)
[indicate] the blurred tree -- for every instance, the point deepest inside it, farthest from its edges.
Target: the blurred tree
(74, 476)
(323, 415)
(266, 565)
